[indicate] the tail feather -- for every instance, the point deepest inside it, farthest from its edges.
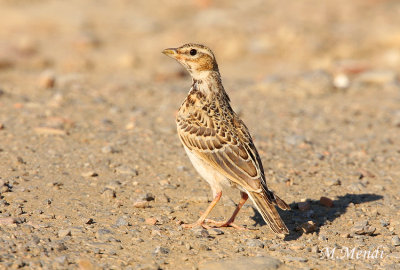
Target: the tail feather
(268, 211)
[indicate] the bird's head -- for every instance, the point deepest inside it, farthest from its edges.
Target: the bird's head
(198, 59)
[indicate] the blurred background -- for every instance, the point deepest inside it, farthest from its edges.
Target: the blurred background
(251, 39)
(88, 143)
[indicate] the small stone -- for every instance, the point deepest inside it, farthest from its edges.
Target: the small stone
(200, 232)
(108, 149)
(109, 194)
(60, 247)
(147, 197)
(254, 243)
(61, 259)
(341, 81)
(396, 241)
(362, 228)
(161, 250)
(322, 237)
(326, 202)
(332, 182)
(126, 171)
(141, 204)
(384, 223)
(295, 139)
(88, 221)
(204, 247)
(1, 126)
(307, 227)
(215, 231)
(130, 126)
(89, 174)
(304, 206)
(103, 234)
(47, 79)
(356, 187)
(151, 221)
(64, 232)
(121, 222)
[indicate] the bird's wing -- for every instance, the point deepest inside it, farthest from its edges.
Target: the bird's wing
(225, 145)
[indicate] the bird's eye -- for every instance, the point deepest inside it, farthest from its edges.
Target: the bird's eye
(193, 52)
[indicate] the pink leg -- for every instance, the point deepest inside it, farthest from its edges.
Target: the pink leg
(229, 222)
(200, 221)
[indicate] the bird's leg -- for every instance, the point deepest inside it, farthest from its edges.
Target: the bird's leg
(229, 222)
(200, 221)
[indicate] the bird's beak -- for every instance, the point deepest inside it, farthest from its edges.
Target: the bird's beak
(171, 52)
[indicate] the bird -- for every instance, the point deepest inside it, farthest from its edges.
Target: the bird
(219, 144)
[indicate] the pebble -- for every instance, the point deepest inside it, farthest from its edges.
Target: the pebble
(356, 187)
(103, 234)
(326, 202)
(242, 262)
(88, 221)
(341, 81)
(64, 232)
(215, 231)
(307, 227)
(61, 259)
(108, 149)
(109, 193)
(47, 79)
(332, 182)
(384, 223)
(161, 250)
(322, 237)
(200, 232)
(304, 206)
(125, 170)
(147, 197)
(396, 241)
(151, 221)
(254, 243)
(141, 204)
(121, 222)
(295, 139)
(362, 228)
(90, 174)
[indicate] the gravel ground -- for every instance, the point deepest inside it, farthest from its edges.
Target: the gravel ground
(93, 176)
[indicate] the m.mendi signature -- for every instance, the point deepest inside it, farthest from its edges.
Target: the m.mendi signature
(346, 253)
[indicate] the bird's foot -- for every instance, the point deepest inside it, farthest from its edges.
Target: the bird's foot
(220, 224)
(196, 224)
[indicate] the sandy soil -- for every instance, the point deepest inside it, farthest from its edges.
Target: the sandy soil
(93, 176)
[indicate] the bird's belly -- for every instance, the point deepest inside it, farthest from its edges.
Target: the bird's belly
(214, 178)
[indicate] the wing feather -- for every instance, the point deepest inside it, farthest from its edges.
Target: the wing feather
(231, 153)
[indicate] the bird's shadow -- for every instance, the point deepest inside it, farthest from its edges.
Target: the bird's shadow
(319, 214)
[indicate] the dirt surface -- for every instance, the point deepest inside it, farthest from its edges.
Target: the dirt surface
(93, 176)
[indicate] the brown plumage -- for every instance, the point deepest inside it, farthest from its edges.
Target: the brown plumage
(217, 141)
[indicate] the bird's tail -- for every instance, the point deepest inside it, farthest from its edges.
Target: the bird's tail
(266, 206)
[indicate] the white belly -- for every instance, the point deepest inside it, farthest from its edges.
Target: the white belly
(212, 176)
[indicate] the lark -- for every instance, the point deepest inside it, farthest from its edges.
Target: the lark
(218, 143)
